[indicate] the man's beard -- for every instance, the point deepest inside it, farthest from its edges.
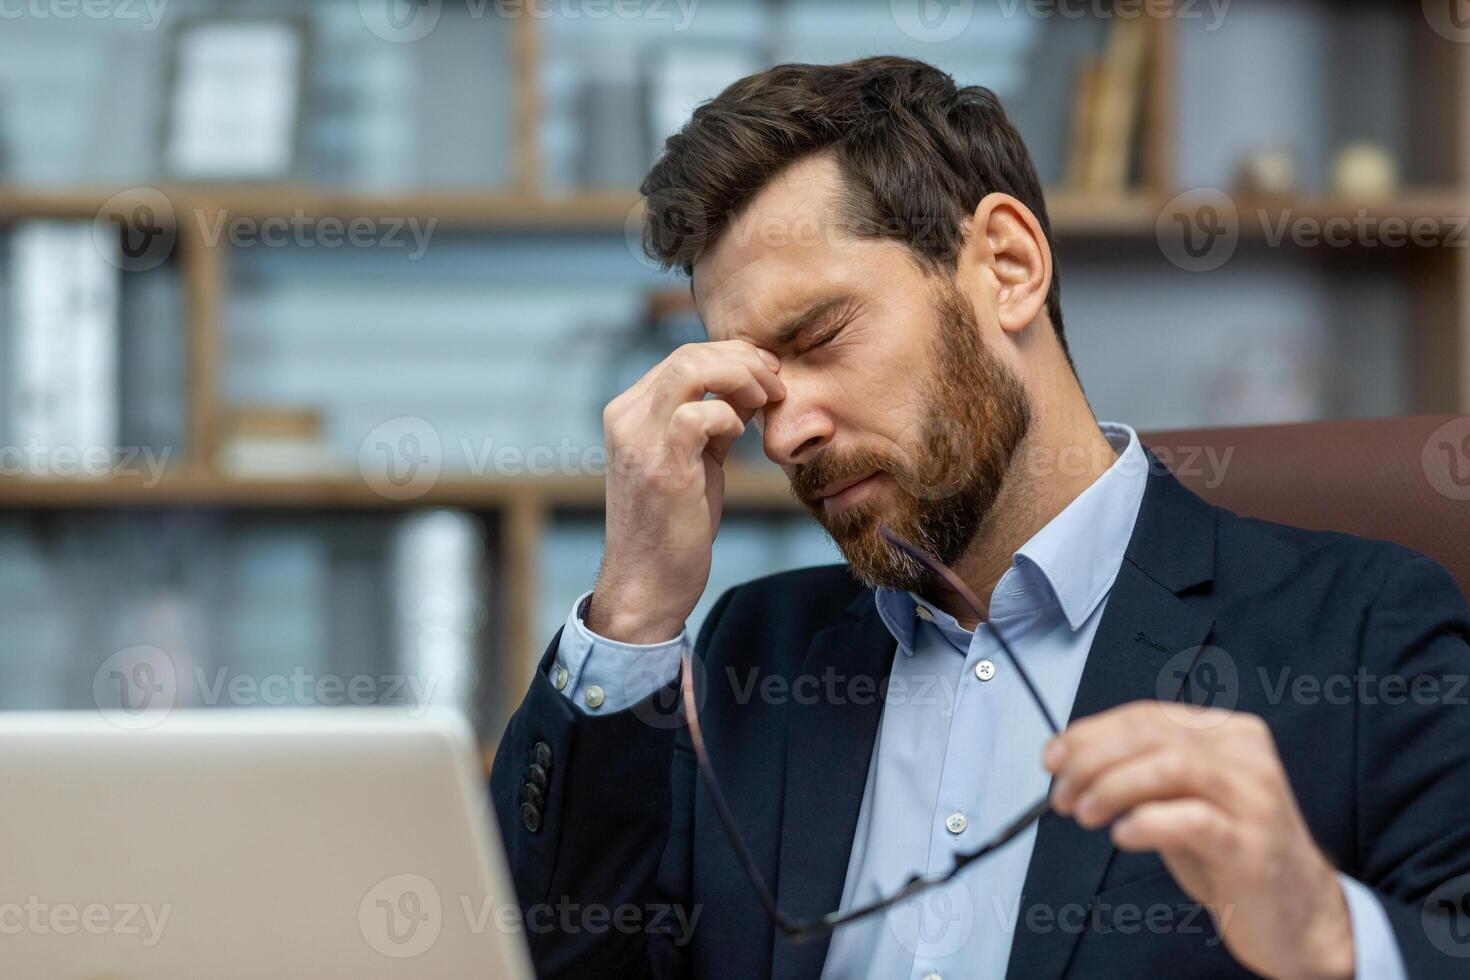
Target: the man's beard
(949, 469)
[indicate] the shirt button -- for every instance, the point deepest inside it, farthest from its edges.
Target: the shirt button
(931, 975)
(923, 613)
(560, 679)
(985, 670)
(593, 697)
(956, 823)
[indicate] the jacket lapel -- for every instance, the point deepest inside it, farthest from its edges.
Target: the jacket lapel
(830, 737)
(1144, 624)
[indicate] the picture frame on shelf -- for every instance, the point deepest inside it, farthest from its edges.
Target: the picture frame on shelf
(235, 99)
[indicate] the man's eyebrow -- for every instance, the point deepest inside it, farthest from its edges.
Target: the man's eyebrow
(812, 316)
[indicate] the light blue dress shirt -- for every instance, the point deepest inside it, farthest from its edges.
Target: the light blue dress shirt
(958, 751)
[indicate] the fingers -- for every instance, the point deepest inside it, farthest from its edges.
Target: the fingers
(740, 375)
(668, 410)
(1192, 826)
(735, 370)
(694, 425)
(1110, 763)
(1162, 774)
(1093, 744)
(748, 353)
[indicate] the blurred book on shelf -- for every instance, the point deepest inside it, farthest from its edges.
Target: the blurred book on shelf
(95, 367)
(261, 441)
(246, 611)
(441, 589)
(1107, 111)
(153, 364)
(234, 109)
(63, 350)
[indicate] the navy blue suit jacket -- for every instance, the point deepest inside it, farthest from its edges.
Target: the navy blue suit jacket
(625, 826)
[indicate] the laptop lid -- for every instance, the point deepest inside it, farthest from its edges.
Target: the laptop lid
(340, 842)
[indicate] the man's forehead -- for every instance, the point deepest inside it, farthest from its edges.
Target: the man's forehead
(787, 240)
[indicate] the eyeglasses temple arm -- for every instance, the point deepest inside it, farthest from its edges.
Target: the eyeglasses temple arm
(827, 923)
(919, 883)
(722, 807)
(963, 590)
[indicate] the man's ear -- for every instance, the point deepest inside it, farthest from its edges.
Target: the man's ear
(1006, 253)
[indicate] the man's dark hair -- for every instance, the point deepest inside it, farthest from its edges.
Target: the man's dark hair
(918, 154)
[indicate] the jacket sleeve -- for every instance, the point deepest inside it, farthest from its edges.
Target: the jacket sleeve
(602, 866)
(1413, 765)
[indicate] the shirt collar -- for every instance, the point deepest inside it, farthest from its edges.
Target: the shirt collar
(1073, 559)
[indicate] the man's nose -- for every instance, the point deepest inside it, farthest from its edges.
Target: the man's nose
(793, 432)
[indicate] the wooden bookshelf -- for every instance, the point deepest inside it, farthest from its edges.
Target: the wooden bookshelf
(1073, 215)
(748, 488)
(476, 210)
(469, 209)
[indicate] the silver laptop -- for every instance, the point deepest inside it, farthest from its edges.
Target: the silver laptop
(342, 842)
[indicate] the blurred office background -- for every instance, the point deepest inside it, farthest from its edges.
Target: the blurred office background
(338, 289)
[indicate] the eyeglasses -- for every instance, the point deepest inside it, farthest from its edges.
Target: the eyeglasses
(805, 928)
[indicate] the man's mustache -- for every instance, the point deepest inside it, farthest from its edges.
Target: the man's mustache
(830, 465)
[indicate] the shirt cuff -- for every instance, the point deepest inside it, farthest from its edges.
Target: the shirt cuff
(1375, 948)
(601, 676)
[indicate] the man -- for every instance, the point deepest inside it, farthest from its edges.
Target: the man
(870, 253)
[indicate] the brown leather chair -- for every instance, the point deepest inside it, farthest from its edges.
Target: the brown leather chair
(1404, 479)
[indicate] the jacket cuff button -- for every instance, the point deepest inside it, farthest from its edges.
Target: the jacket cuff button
(530, 817)
(533, 795)
(541, 755)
